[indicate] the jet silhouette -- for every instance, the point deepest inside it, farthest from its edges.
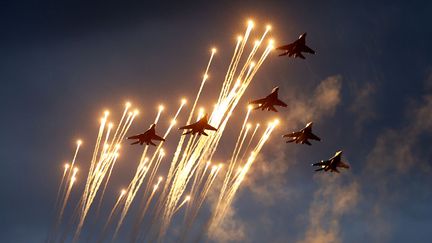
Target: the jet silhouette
(269, 101)
(296, 48)
(147, 136)
(332, 164)
(302, 136)
(199, 127)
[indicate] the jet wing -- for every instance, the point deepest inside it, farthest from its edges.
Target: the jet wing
(291, 135)
(314, 137)
(283, 53)
(156, 137)
(280, 103)
(307, 142)
(286, 47)
(135, 136)
(209, 127)
(322, 163)
(343, 165)
(260, 101)
(307, 49)
(191, 126)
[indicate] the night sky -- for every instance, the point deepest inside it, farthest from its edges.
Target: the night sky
(368, 90)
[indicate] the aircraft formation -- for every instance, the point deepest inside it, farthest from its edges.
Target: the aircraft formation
(268, 103)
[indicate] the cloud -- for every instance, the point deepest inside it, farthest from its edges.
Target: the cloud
(395, 154)
(231, 229)
(327, 95)
(332, 200)
(395, 148)
(362, 105)
(267, 180)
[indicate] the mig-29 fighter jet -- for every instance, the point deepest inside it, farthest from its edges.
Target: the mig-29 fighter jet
(269, 102)
(302, 136)
(332, 164)
(199, 127)
(147, 136)
(296, 48)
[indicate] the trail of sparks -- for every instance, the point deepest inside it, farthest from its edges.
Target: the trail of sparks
(226, 198)
(99, 168)
(182, 138)
(206, 146)
(181, 204)
(241, 142)
(239, 40)
(135, 232)
(59, 190)
(174, 166)
(161, 108)
(233, 157)
(250, 140)
(104, 188)
(68, 179)
(121, 196)
(66, 197)
(138, 179)
(198, 202)
(239, 55)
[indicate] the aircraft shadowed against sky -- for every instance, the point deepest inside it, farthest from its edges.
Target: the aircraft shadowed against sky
(332, 164)
(296, 48)
(147, 136)
(269, 102)
(302, 136)
(198, 127)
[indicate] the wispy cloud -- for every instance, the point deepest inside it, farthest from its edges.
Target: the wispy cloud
(232, 229)
(363, 105)
(395, 154)
(322, 103)
(331, 202)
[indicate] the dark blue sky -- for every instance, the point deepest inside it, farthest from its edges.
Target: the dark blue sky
(368, 90)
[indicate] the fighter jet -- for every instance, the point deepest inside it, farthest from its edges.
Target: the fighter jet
(147, 136)
(269, 102)
(296, 48)
(302, 136)
(198, 127)
(332, 164)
